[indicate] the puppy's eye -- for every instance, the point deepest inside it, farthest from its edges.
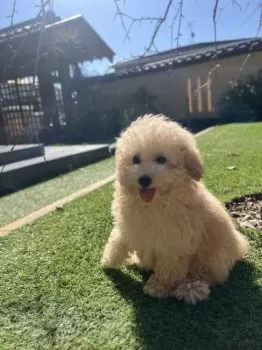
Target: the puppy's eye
(136, 160)
(161, 160)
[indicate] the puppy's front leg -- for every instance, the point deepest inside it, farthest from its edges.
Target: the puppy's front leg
(116, 249)
(167, 274)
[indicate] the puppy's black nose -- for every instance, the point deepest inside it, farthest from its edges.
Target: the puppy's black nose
(145, 181)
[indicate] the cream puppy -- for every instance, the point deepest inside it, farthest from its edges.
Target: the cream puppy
(165, 220)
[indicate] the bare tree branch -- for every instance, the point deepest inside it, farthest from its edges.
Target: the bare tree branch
(8, 45)
(191, 27)
(137, 20)
(51, 7)
(128, 28)
(234, 3)
(237, 4)
(260, 19)
(215, 20)
(161, 20)
(121, 15)
(43, 23)
(133, 20)
(43, 6)
(13, 14)
(180, 11)
(246, 59)
(215, 41)
(172, 26)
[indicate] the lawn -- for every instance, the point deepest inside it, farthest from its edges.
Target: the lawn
(54, 294)
(22, 203)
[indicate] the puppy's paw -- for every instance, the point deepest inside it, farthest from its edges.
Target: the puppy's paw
(107, 263)
(132, 260)
(192, 291)
(155, 289)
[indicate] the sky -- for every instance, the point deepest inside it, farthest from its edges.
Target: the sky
(235, 19)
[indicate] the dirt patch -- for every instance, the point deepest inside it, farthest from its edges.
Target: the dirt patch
(247, 211)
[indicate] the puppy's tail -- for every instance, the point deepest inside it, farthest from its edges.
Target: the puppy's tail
(242, 245)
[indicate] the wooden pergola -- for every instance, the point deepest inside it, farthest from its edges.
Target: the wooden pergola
(37, 53)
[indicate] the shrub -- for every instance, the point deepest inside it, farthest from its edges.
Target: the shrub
(242, 101)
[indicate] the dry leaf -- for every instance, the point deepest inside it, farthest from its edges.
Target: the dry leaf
(59, 208)
(232, 167)
(247, 224)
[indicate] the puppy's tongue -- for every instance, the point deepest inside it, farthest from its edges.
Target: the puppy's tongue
(147, 195)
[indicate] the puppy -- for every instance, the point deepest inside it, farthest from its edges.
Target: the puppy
(166, 221)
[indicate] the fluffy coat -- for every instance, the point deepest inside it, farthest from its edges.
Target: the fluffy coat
(182, 234)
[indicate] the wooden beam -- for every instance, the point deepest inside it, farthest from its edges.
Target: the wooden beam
(189, 94)
(199, 95)
(209, 95)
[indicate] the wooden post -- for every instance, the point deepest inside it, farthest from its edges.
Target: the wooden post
(19, 102)
(189, 94)
(3, 138)
(66, 84)
(47, 93)
(199, 95)
(209, 95)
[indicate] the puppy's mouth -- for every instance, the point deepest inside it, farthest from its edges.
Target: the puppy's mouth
(147, 195)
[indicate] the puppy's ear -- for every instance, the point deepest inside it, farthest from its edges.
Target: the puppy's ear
(193, 163)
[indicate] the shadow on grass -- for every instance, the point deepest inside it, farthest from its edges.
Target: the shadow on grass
(230, 319)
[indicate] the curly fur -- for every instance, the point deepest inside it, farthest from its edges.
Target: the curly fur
(184, 234)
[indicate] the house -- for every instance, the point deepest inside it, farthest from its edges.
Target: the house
(183, 83)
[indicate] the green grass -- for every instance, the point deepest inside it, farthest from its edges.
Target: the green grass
(237, 145)
(24, 202)
(54, 294)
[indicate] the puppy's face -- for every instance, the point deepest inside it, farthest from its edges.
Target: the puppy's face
(154, 156)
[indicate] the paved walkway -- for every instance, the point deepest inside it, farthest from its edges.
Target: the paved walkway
(53, 153)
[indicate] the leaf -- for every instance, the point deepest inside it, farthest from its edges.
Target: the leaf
(59, 208)
(232, 167)
(248, 225)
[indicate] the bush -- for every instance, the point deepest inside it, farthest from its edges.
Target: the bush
(242, 101)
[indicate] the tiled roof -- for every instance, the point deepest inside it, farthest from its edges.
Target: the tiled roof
(187, 55)
(74, 39)
(26, 27)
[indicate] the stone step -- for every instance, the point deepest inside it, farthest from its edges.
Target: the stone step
(16, 153)
(57, 160)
